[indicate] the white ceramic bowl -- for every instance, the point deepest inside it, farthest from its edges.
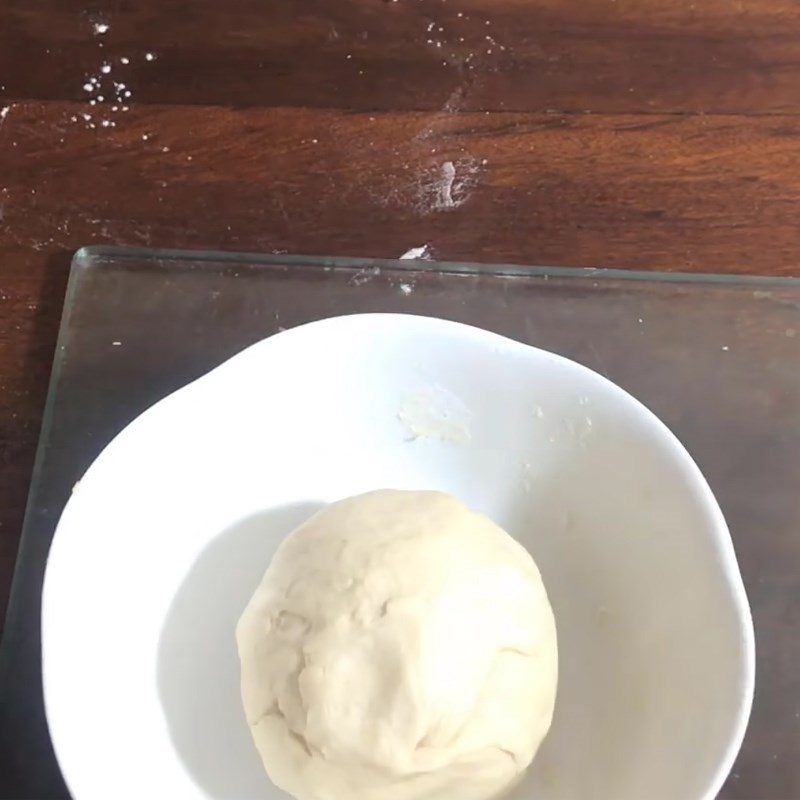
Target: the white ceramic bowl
(172, 526)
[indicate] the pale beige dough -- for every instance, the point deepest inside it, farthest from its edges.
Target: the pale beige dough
(399, 647)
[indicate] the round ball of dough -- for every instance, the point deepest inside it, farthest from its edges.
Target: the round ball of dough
(399, 647)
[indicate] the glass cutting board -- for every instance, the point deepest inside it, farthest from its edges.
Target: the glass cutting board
(717, 358)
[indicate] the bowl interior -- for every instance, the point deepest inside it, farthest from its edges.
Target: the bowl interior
(168, 533)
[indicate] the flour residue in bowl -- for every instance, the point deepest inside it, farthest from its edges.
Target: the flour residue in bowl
(435, 413)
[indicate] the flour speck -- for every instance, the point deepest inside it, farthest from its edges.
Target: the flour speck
(416, 252)
(446, 185)
(450, 187)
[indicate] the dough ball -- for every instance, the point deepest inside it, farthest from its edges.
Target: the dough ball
(399, 647)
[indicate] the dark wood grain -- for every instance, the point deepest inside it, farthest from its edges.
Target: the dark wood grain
(650, 135)
(696, 193)
(596, 55)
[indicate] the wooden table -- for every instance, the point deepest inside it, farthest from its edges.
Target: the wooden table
(651, 135)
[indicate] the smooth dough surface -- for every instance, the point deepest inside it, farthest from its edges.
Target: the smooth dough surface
(399, 647)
